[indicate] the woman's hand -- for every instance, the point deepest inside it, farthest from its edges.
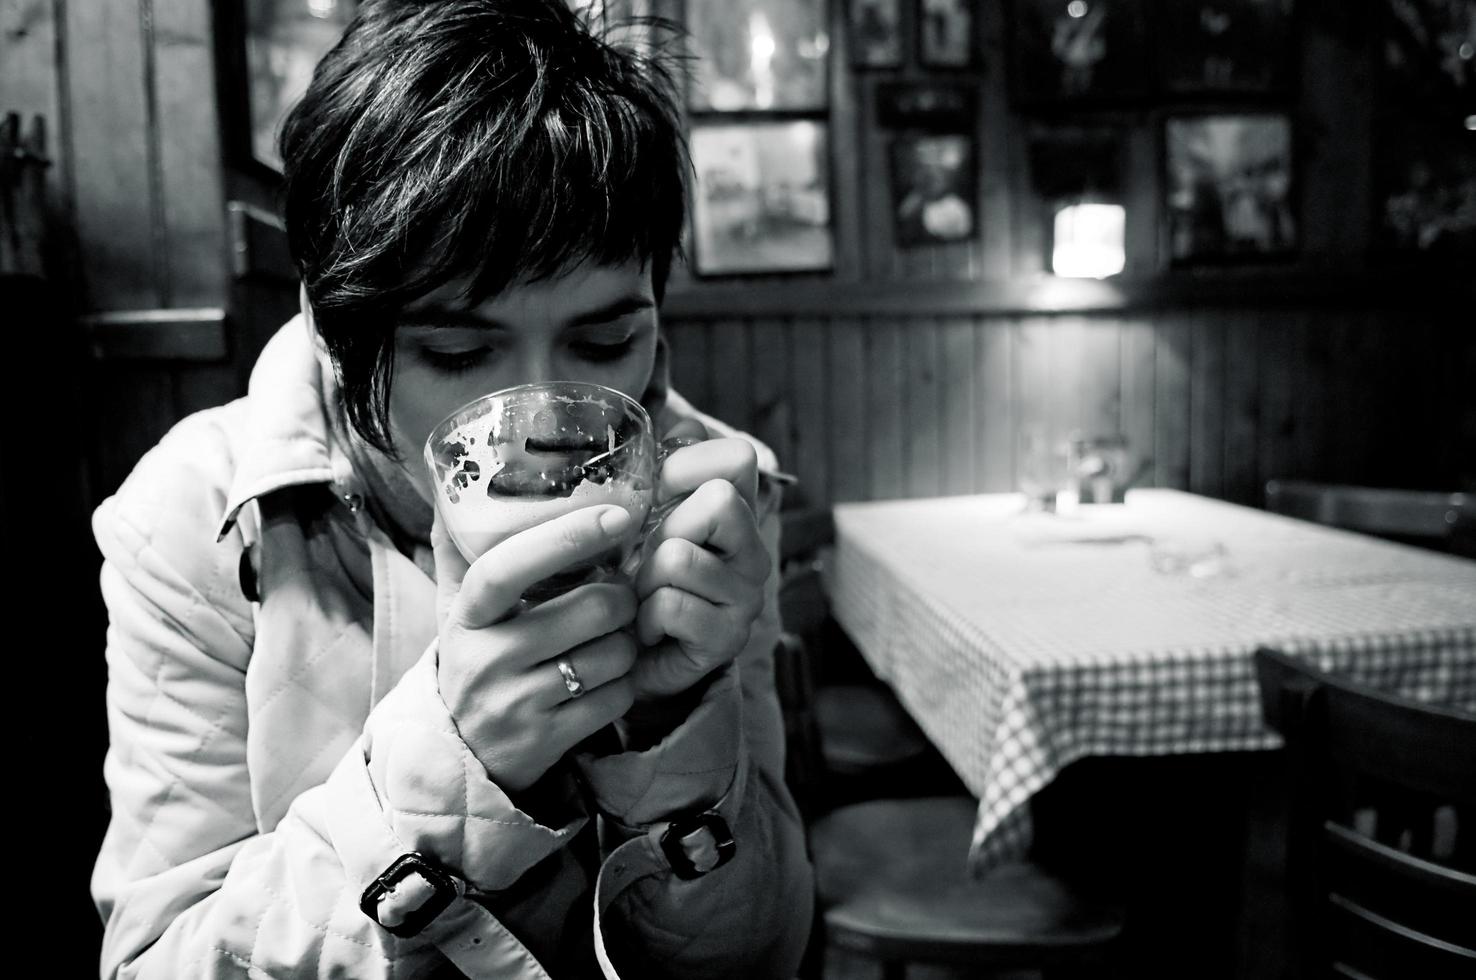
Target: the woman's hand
(702, 584)
(497, 666)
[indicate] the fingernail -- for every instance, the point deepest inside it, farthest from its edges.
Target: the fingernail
(615, 521)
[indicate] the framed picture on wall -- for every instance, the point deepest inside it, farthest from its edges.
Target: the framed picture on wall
(1224, 46)
(1078, 52)
(945, 33)
(271, 48)
(767, 55)
(934, 196)
(1228, 187)
(874, 33)
(1424, 188)
(761, 198)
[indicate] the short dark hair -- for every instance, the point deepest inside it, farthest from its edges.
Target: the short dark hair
(499, 141)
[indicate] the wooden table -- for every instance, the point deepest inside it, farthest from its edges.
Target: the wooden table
(1022, 642)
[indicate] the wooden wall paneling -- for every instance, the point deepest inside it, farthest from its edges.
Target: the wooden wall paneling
(960, 440)
(1066, 345)
(1171, 381)
(1420, 411)
(1417, 380)
(1387, 346)
(813, 425)
(1383, 431)
(1139, 365)
(1278, 387)
(1390, 450)
(847, 401)
(996, 387)
(1242, 478)
(731, 392)
(772, 385)
(1454, 347)
(691, 360)
(1432, 390)
(119, 223)
(189, 157)
(884, 384)
(1347, 394)
(1035, 440)
(1462, 365)
(1207, 402)
(922, 419)
(1101, 380)
(1452, 385)
(1310, 388)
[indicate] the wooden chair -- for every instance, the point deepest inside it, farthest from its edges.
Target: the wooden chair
(869, 744)
(892, 883)
(1382, 795)
(1445, 521)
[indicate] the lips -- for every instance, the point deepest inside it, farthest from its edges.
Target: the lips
(554, 481)
(561, 447)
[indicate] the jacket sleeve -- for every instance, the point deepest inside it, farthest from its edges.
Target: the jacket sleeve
(186, 882)
(751, 916)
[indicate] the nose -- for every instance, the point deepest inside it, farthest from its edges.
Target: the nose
(537, 365)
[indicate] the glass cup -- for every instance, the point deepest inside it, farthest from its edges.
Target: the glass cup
(515, 458)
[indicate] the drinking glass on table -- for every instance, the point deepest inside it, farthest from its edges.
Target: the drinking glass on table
(1045, 475)
(515, 458)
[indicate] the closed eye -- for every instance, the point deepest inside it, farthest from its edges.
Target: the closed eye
(601, 352)
(453, 362)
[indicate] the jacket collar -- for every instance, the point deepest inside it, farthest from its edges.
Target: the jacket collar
(289, 439)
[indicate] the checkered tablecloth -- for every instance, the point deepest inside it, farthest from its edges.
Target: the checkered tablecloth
(1023, 641)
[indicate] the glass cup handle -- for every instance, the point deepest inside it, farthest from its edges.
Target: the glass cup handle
(657, 515)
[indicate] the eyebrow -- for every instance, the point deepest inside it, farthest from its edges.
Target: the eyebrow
(436, 315)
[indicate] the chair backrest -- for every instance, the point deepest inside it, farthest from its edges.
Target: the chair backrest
(1380, 857)
(1423, 516)
(804, 762)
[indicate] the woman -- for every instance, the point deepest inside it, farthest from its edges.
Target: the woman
(337, 749)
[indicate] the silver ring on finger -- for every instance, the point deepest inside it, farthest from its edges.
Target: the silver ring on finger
(571, 677)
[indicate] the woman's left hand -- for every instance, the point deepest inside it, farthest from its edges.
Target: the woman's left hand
(701, 586)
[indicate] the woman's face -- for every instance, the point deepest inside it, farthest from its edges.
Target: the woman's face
(596, 323)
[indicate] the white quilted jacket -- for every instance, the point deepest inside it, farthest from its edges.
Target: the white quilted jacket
(269, 759)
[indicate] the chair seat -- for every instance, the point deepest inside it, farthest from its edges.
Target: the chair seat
(894, 884)
(863, 727)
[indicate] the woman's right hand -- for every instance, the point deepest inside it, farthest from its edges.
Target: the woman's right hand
(497, 666)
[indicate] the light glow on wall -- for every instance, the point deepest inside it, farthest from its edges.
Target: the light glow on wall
(1089, 241)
